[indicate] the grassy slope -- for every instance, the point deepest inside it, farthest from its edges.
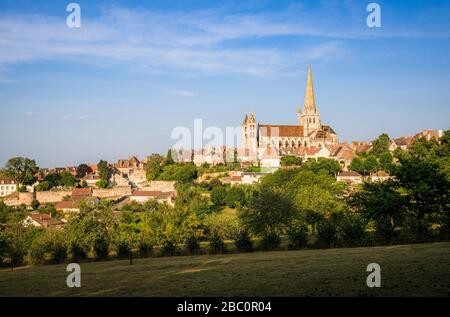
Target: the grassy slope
(410, 270)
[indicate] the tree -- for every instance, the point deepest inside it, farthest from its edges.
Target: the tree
(364, 164)
(183, 173)
(267, 213)
(235, 197)
(290, 160)
(68, 179)
(83, 170)
(169, 160)
(380, 145)
(22, 170)
(218, 195)
(103, 172)
(383, 202)
(386, 161)
(35, 204)
(101, 184)
(154, 166)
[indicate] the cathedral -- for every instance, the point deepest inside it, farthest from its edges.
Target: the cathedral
(259, 139)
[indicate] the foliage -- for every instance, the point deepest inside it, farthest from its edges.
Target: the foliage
(235, 197)
(183, 172)
(83, 170)
(243, 242)
(101, 184)
(268, 212)
(22, 170)
(35, 204)
(290, 160)
(218, 195)
(297, 234)
(103, 172)
(154, 166)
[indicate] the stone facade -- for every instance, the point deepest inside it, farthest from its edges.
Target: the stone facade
(287, 139)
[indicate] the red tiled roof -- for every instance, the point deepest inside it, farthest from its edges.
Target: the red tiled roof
(45, 220)
(69, 204)
(82, 192)
(281, 130)
(349, 173)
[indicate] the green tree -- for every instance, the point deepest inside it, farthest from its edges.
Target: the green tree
(169, 159)
(218, 195)
(268, 212)
(21, 169)
(83, 170)
(235, 197)
(386, 161)
(380, 145)
(154, 166)
(183, 173)
(103, 172)
(68, 179)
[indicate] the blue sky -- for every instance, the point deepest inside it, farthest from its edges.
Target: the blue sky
(135, 70)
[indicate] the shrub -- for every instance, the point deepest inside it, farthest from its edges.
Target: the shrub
(351, 230)
(270, 242)
(169, 248)
(218, 195)
(145, 248)
(216, 244)
(326, 233)
(297, 235)
(123, 249)
(77, 251)
(243, 242)
(192, 245)
(101, 248)
(35, 204)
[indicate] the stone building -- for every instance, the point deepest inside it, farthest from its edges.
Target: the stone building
(287, 139)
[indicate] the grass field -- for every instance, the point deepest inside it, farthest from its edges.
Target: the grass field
(408, 270)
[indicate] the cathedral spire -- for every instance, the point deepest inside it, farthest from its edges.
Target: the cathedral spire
(310, 103)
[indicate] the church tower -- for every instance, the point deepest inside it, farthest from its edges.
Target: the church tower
(249, 136)
(310, 117)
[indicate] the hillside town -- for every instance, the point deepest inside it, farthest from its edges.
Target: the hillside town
(265, 149)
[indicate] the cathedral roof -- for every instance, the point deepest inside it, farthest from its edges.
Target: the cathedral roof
(310, 102)
(270, 130)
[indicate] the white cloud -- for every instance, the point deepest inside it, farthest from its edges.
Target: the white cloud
(28, 114)
(210, 41)
(184, 93)
(71, 117)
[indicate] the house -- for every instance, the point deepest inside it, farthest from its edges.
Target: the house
(126, 166)
(7, 186)
(136, 177)
(91, 179)
(361, 147)
(350, 177)
(343, 153)
(403, 143)
(67, 206)
(270, 160)
(210, 155)
(380, 176)
(161, 197)
(245, 178)
(42, 220)
(317, 152)
(429, 134)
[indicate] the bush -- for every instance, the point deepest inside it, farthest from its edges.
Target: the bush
(216, 244)
(270, 242)
(77, 251)
(48, 246)
(35, 204)
(351, 230)
(169, 248)
(101, 248)
(235, 197)
(192, 245)
(123, 249)
(297, 235)
(145, 248)
(218, 195)
(326, 233)
(243, 242)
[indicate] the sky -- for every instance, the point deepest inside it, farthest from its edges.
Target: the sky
(135, 70)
